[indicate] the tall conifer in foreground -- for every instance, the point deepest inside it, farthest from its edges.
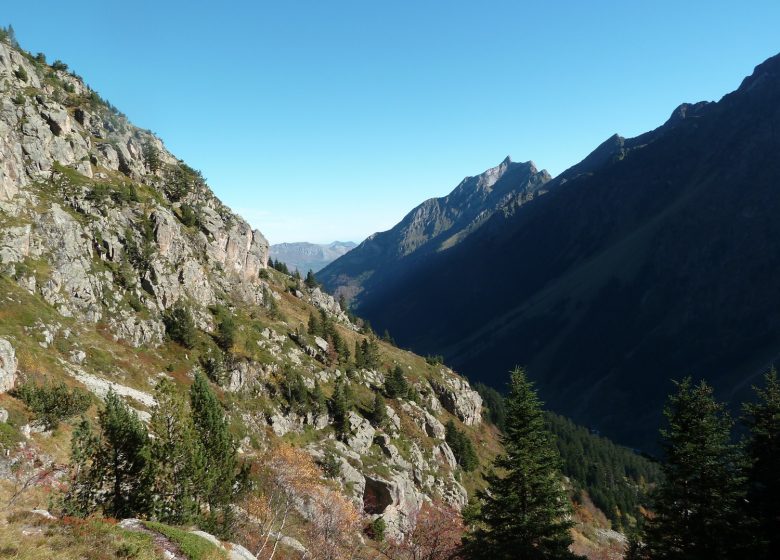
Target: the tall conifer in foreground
(525, 512)
(220, 465)
(177, 455)
(699, 506)
(763, 420)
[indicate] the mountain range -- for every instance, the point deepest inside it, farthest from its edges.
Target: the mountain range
(654, 258)
(303, 256)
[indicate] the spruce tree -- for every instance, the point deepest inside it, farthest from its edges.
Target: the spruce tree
(524, 512)
(762, 418)
(699, 504)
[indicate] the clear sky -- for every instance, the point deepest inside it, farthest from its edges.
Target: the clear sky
(326, 119)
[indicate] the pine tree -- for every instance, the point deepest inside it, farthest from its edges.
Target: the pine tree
(220, 466)
(226, 330)
(81, 498)
(360, 361)
(311, 280)
(177, 455)
(525, 510)
(699, 505)
(121, 460)
(314, 328)
(379, 411)
(370, 351)
(180, 326)
(396, 385)
(340, 406)
(319, 402)
(461, 447)
(762, 418)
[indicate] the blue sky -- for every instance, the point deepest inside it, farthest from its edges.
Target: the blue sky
(321, 120)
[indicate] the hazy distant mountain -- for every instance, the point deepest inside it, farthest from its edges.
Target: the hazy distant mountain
(655, 258)
(436, 224)
(310, 256)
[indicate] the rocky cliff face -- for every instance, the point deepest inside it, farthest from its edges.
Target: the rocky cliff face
(103, 232)
(435, 225)
(116, 218)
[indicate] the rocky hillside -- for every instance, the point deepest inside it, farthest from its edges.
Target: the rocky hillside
(652, 259)
(304, 257)
(107, 240)
(435, 225)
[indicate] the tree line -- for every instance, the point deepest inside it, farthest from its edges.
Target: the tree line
(717, 499)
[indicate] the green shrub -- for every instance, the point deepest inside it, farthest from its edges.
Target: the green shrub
(59, 65)
(21, 74)
(331, 467)
(377, 529)
(180, 326)
(188, 216)
(53, 403)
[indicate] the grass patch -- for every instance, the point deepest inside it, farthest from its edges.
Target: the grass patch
(192, 546)
(31, 537)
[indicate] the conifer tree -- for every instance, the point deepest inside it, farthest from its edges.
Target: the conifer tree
(762, 418)
(81, 498)
(370, 350)
(360, 361)
(226, 330)
(396, 385)
(699, 505)
(379, 411)
(524, 511)
(177, 456)
(461, 447)
(314, 327)
(340, 406)
(220, 466)
(311, 280)
(121, 460)
(180, 326)
(319, 402)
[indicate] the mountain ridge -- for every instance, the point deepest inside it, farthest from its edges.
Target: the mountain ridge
(616, 262)
(434, 225)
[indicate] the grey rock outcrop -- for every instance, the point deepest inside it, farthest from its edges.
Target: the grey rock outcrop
(458, 398)
(7, 366)
(361, 433)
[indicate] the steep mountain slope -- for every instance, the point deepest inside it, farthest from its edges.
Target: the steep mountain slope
(435, 225)
(304, 256)
(654, 258)
(108, 244)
